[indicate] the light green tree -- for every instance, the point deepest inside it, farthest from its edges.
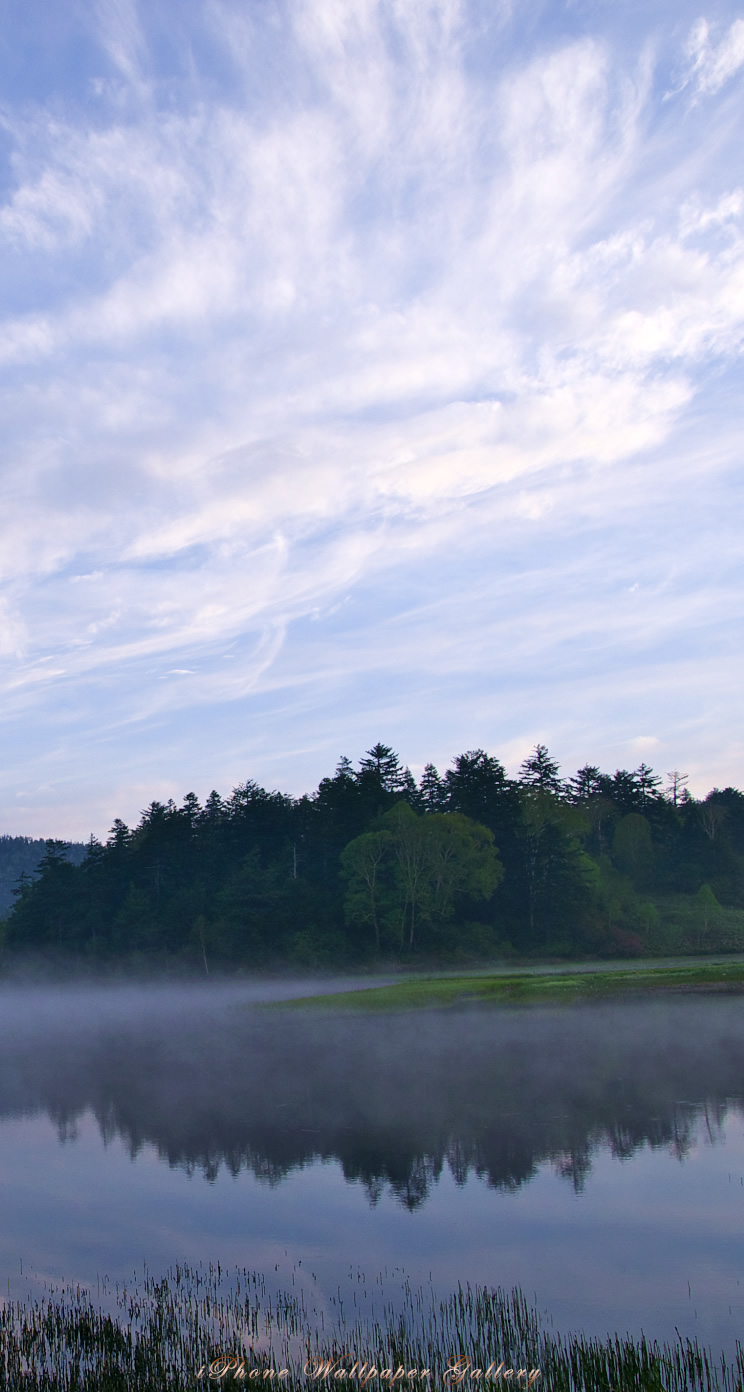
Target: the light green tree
(709, 907)
(410, 872)
(363, 865)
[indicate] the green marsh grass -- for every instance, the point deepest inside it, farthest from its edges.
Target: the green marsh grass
(160, 1334)
(527, 987)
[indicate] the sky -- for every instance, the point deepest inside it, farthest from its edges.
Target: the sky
(368, 371)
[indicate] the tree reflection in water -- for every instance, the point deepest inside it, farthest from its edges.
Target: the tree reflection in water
(394, 1099)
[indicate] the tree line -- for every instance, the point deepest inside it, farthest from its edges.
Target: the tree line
(375, 866)
(22, 855)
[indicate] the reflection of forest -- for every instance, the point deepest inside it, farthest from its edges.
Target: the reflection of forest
(393, 1099)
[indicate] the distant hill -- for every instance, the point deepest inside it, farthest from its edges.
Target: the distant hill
(23, 853)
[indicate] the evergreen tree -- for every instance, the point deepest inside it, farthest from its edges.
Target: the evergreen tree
(478, 787)
(432, 791)
(380, 768)
(540, 773)
(588, 783)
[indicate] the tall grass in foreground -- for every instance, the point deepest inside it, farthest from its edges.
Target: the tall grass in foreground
(163, 1333)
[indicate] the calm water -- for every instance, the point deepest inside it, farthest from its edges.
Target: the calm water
(594, 1156)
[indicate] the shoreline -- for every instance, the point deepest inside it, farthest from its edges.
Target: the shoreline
(531, 986)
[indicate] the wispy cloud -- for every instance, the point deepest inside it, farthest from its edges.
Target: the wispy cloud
(319, 304)
(711, 63)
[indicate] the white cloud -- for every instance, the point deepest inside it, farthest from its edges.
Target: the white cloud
(297, 346)
(712, 64)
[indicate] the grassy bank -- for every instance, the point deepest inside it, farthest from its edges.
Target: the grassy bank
(174, 1333)
(530, 986)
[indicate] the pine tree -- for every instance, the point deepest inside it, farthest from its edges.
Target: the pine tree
(432, 791)
(540, 773)
(381, 767)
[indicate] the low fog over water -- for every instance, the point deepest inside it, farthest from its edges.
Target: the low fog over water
(478, 1144)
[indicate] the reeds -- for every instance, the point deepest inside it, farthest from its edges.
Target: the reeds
(201, 1327)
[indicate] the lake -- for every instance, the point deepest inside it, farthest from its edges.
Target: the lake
(593, 1155)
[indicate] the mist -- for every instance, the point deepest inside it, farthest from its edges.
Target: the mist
(217, 1077)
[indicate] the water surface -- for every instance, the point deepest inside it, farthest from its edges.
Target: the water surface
(593, 1155)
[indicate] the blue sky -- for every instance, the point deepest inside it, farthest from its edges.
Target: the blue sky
(368, 371)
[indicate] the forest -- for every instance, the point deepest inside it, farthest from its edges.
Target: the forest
(375, 868)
